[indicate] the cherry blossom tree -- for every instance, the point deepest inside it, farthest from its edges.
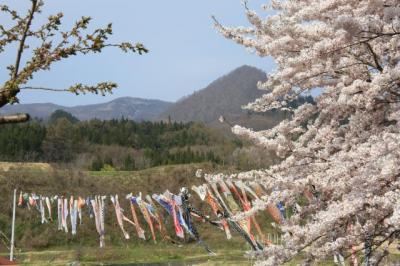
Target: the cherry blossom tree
(344, 150)
(53, 45)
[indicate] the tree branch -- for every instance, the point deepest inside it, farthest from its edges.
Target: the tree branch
(12, 13)
(22, 42)
(365, 40)
(9, 95)
(44, 89)
(17, 118)
(375, 57)
(70, 43)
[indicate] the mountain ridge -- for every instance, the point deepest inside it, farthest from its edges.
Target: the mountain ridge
(128, 107)
(224, 96)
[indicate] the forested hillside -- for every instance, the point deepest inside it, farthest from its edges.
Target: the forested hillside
(119, 144)
(224, 96)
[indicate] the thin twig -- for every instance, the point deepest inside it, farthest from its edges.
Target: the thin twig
(44, 89)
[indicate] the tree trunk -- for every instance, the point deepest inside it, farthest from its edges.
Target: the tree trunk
(17, 118)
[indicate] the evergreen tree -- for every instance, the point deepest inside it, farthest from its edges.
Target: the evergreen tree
(59, 145)
(97, 164)
(62, 114)
(129, 163)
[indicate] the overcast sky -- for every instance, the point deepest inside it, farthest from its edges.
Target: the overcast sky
(186, 52)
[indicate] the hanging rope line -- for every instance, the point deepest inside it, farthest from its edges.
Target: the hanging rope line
(221, 197)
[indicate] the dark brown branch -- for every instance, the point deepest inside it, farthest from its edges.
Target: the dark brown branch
(23, 39)
(366, 40)
(12, 90)
(17, 118)
(375, 57)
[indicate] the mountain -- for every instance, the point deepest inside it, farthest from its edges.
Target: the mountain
(226, 96)
(128, 107)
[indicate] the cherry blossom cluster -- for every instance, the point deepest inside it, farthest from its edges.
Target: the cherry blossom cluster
(341, 155)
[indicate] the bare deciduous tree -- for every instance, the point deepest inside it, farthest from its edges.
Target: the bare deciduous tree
(54, 45)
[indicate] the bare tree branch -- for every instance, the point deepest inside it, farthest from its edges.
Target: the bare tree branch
(44, 89)
(23, 39)
(52, 49)
(11, 87)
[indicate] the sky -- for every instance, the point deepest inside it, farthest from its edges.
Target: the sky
(186, 52)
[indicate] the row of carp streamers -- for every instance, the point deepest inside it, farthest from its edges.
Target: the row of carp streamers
(225, 198)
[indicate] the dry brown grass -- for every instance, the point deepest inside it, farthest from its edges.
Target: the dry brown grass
(6, 166)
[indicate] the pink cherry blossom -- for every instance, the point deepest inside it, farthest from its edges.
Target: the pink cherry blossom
(346, 147)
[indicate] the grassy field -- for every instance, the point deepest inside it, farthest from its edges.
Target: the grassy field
(39, 244)
(161, 254)
(43, 244)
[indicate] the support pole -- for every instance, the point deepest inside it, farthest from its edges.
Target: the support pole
(13, 226)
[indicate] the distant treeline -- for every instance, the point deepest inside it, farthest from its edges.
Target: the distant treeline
(122, 144)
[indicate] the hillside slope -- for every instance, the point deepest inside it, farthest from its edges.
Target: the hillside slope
(225, 96)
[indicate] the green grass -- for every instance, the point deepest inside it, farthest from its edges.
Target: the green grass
(162, 253)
